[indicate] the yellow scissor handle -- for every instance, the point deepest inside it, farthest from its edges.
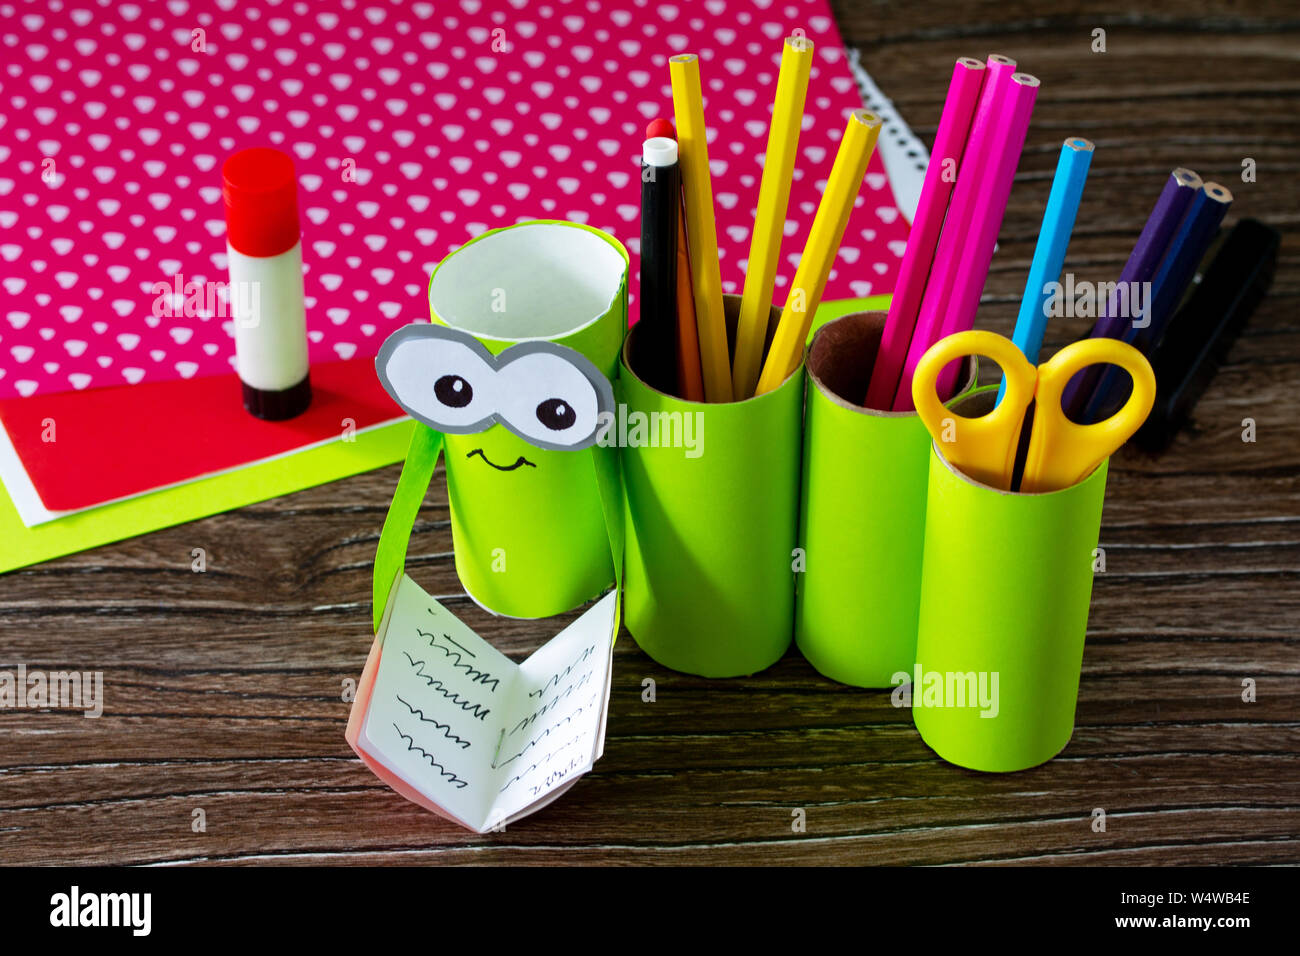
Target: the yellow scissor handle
(984, 448)
(1062, 452)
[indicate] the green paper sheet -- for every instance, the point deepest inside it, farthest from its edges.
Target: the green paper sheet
(841, 307)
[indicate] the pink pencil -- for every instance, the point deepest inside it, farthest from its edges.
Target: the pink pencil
(949, 144)
(938, 287)
(977, 253)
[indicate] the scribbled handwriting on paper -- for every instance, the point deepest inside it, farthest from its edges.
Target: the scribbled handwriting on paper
(560, 706)
(556, 774)
(443, 772)
(478, 710)
(538, 738)
(445, 728)
(460, 652)
(555, 680)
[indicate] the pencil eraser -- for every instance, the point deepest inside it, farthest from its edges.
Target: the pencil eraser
(660, 127)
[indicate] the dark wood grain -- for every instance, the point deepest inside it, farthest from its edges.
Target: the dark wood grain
(224, 689)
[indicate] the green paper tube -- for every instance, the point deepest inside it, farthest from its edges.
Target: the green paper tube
(529, 534)
(862, 513)
(1005, 586)
(709, 582)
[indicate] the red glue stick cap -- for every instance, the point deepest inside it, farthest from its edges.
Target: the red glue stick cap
(260, 192)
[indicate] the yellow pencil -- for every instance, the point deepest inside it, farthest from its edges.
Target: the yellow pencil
(773, 197)
(823, 244)
(701, 229)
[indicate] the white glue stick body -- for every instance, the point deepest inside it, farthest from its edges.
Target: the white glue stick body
(264, 246)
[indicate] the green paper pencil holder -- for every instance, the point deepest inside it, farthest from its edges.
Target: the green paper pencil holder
(862, 513)
(708, 576)
(1006, 583)
(526, 522)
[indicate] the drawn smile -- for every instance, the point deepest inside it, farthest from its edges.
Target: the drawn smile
(521, 460)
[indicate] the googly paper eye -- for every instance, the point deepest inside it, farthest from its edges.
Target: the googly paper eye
(441, 377)
(551, 396)
(547, 394)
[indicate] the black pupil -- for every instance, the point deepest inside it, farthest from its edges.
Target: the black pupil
(453, 391)
(556, 414)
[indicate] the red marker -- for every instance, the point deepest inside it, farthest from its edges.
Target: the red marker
(660, 127)
(264, 245)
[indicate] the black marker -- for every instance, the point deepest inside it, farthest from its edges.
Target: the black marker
(660, 202)
(1203, 331)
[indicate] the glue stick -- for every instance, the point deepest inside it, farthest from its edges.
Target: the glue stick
(264, 245)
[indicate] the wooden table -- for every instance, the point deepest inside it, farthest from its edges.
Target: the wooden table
(224, 688)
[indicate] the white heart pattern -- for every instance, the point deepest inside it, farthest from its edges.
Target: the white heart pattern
(446, 135)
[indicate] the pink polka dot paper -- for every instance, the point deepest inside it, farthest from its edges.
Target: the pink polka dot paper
(414, 127)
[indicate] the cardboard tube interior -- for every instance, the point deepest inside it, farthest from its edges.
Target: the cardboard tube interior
(536, 280)
(980, 402)
(843, 353)
(635, 359)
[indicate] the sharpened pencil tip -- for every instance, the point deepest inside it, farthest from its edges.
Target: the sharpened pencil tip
(867, 118)
(1217, 192)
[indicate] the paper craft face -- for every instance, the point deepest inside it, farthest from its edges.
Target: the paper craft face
(517, 430)
(548, 395)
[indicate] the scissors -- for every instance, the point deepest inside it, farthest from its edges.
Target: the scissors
(1061, 452)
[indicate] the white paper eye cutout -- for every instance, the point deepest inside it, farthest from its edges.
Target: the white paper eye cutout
(549, 395)
(440, 377)
(546, 399)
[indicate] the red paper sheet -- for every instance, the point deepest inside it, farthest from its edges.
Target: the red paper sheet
(116, 442)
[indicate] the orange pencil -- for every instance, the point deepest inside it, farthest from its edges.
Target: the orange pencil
(690, 380)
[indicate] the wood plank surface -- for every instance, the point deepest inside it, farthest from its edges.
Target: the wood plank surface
(224, 688)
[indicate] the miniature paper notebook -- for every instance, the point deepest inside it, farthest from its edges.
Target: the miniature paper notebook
(441, 716)
(453, 725)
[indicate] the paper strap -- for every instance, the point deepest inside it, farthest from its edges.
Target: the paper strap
(417, 472)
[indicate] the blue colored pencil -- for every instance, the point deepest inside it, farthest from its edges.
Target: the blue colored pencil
(1053, 240)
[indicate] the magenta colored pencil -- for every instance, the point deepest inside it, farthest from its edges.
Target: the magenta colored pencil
(970, 174)
(977, 252)
(949, 145)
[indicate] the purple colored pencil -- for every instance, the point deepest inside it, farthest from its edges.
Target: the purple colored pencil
(1174, 275)
(1186, 249)
(1174, 200)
